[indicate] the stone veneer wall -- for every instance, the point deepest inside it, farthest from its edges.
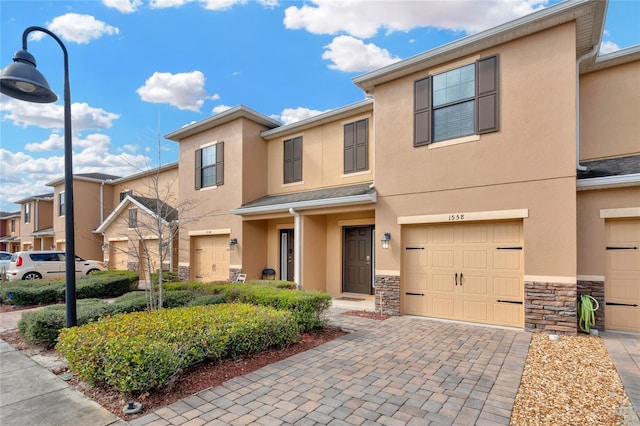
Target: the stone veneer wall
(389, 286)
(184, 272)
(233, 273)
(550, 307)
(594, 289)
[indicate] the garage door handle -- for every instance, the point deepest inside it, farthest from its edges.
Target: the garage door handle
(456, 278)
(414, 294)
(509, 301)
(622, 248)
(461, 278)
(508, 248)
(621, 304)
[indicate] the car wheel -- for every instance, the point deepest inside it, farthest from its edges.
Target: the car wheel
(91, 271)
(31, 276)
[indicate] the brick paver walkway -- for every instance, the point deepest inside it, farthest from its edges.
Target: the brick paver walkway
(401, 371)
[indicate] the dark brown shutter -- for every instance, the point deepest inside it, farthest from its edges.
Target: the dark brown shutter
(219, 163)
(487, 112)
(198, 169)
(288, 161)
(349, 148)
(422, 112)
(297, 159)
(362, 145)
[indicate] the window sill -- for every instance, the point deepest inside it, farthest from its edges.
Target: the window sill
(457, 141)
(284, 185)
(364, 172)
(208, 188)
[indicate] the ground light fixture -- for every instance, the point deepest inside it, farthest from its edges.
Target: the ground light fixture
(21, 80)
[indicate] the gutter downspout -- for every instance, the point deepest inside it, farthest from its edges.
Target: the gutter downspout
(593, 51)
(297, 244)
(101, 202)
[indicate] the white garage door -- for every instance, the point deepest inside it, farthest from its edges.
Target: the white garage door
(210, 258)
(469, 272)
(622, 279)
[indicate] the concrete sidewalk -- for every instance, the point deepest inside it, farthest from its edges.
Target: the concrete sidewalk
(32, 395)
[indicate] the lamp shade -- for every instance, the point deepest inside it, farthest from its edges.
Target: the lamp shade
(21, 80)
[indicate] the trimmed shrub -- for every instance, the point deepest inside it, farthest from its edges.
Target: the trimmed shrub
(208, 299)
(96, 285)
(142, 351)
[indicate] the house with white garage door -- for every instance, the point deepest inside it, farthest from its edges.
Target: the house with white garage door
(494, 180)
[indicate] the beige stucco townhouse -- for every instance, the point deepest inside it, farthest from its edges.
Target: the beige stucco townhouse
(142, 222)
(36, 222)
(10, 231)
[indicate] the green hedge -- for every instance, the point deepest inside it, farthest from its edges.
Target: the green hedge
(137, 352)
(97, 285)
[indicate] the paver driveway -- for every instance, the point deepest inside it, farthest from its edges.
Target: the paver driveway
(401, 371)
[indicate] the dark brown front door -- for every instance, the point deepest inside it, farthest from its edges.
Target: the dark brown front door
(357, 260)
(286, 254)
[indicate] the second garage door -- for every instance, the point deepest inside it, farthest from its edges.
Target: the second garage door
(119, 255)
(467, 271)
(210, 258)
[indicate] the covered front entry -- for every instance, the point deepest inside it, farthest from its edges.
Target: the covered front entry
(467, 271)
(622, 279)
(357, 260)
(210, 258)
(286, 255)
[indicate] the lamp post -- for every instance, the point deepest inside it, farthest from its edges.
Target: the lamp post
(22, 81)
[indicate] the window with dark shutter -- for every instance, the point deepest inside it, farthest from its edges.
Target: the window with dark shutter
(293, 160)
(133, 218)
(356, 146)
(456, 103)
(209, 166)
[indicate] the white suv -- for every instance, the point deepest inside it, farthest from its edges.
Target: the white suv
(34, 265)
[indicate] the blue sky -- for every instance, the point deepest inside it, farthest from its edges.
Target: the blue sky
(142, 69)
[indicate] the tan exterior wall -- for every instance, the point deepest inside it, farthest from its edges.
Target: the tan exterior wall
(528, 164)
(609, 112)
(143, 185)
(41, 218)
(322, 158)
(89, 211)
(591, 226)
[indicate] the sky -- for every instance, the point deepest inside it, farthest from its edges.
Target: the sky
(142, 69)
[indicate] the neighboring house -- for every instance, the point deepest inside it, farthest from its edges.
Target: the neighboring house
(142, 204)
(138, 231)
(464, 159)
(36, 227)
(10, 231)
(92, 201)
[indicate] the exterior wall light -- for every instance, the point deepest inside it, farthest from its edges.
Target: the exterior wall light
(232, 244)
(385, 240)
(21, 80)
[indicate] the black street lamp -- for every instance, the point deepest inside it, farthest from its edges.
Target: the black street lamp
(22, 81)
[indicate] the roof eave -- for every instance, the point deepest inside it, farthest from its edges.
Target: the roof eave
(608, 182)
(311, 204)
(529, 24)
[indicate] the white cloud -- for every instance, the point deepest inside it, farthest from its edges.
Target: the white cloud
(51, 116)
(184, 91)
(130, 148)
(207, 4)
(55, 142)
(77, 28)
(364, 18)
(220, 108)
(123, 6)
(608, 47)
(292, 115)
(352, 55)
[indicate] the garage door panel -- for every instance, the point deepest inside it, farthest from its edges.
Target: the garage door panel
(210, 258)
(415, 304)
(622, 277)
(119, 255)
(489, 274)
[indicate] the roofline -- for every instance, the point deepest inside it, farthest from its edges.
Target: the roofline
(325, 117)
(224, 117)
(529, 24)
(310, 204)
(609, 60)
(608, 182)
(120, 208)
(146, 172)
(47, 197)
(83, 178)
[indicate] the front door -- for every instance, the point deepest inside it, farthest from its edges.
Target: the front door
(357, 260)
(286, 255)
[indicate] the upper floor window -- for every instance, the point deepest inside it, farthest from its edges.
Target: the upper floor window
(61, 204)
(27, 213)
(356, 146)
(293, 160)
(124, 194)
(210, 166)
(133, 218)
(456, 103)
(13, 225)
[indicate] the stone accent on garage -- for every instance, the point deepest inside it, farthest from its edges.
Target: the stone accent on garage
(387, 288)
(233, 273)
(184, 272)
(550, 307)
(594, 289)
